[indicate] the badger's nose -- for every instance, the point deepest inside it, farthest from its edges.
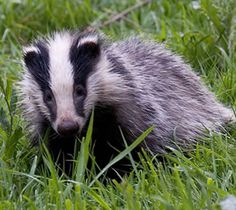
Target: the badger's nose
(68, 127)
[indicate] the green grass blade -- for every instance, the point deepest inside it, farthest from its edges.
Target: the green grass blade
(84, 152)
(123, 153)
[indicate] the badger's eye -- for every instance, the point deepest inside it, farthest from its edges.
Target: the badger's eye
(48, 97)
(80, 91)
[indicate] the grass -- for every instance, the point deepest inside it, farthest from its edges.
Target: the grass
(202, 31)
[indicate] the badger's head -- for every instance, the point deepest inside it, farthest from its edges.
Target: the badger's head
(65, 76)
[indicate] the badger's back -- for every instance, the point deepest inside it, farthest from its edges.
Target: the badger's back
(166, 93)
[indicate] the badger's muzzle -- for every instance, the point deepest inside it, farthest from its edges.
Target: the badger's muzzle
(68, 128)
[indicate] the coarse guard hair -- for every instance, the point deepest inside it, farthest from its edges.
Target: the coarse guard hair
(131, 85)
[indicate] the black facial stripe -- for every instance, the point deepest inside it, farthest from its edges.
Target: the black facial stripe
(79, 107)
(83, 59)
(52, 106)
(78, 99)
(38, 65)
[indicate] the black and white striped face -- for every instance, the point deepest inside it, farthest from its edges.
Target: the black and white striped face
(56, 80)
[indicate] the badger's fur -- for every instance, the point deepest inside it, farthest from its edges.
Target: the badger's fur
(131, 84)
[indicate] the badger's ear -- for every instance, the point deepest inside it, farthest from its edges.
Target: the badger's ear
(30, 56)
(91, 38)
(36, 61)
(36, 58)
(88, 46)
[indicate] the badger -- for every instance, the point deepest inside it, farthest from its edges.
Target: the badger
(131, 85)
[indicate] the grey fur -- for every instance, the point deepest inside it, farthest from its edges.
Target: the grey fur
(146, 85)
(165, 92)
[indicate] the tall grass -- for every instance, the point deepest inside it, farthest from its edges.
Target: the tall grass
(203, 32)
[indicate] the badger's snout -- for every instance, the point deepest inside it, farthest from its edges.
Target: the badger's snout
(68, 128)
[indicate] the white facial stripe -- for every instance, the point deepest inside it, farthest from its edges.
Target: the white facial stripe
(91, 38)
(61, 75)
